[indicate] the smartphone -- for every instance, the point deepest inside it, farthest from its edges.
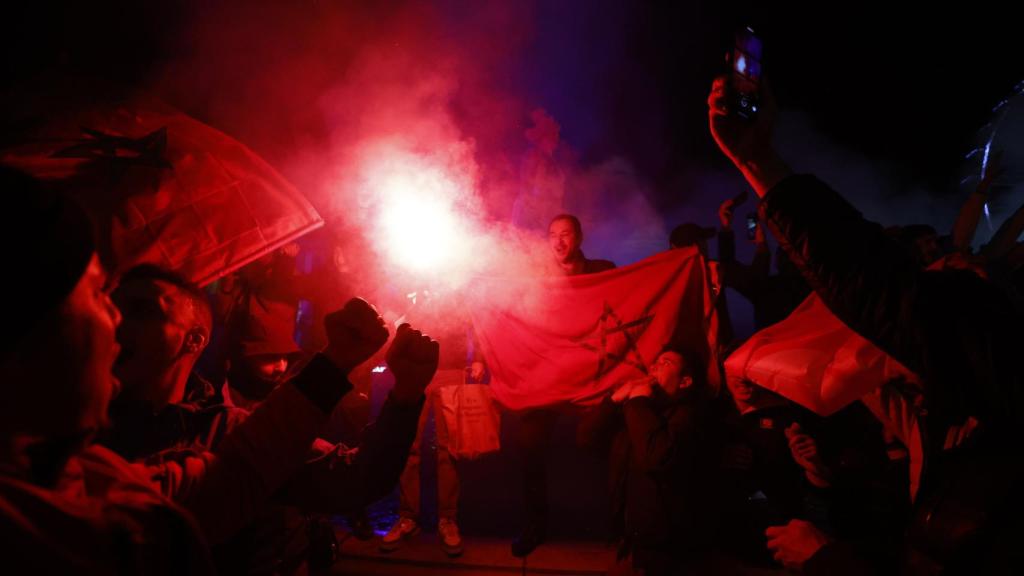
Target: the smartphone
(751, 226)
(745, 77)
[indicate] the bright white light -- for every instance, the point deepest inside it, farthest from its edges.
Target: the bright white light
(416, 221)
(420, 230)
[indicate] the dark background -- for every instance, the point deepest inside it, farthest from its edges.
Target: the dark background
(630, 78)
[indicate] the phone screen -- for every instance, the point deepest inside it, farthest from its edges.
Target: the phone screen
(746, 72)
(751, 226)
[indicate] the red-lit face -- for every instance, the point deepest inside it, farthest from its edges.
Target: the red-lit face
(564, 240)
(269, 366)
(671, 372)
(157, 318)
(743, 392)
(73, 362)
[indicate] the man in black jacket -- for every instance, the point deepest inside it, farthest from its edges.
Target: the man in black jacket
(952, 328)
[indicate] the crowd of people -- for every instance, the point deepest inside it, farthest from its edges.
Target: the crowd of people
(120, 453)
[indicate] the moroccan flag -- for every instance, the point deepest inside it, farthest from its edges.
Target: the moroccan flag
(574, 338)
(165, 188)
(815, 360)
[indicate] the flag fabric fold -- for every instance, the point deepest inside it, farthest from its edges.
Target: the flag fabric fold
(165, 188)
(812, 358)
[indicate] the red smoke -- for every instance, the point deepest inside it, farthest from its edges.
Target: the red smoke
(404, 123)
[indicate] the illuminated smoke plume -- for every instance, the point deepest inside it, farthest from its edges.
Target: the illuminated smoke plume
(338, 94)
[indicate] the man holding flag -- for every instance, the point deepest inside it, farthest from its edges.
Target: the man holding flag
(571, 338)
(565, 237)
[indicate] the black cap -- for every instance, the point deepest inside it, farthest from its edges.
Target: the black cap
(268, 329)
(689, 234)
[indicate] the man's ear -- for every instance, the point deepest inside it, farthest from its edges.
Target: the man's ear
(686, 381)
(195, 341)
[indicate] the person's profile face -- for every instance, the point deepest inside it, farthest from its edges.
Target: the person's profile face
(743, 392)
(89, 321)
(668, 370)
(157, 316)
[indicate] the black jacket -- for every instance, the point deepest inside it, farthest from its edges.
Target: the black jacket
(660, 459)
(955, 330)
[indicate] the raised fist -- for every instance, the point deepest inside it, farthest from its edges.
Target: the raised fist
(412, 358)
(354, 334)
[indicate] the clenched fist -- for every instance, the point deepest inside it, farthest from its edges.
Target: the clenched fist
(354, 334)
(412, 358)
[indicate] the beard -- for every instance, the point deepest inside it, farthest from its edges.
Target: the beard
(252, 384)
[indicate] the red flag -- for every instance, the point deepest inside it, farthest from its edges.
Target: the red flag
(815, 360)
(573, 338)
(165, 188)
